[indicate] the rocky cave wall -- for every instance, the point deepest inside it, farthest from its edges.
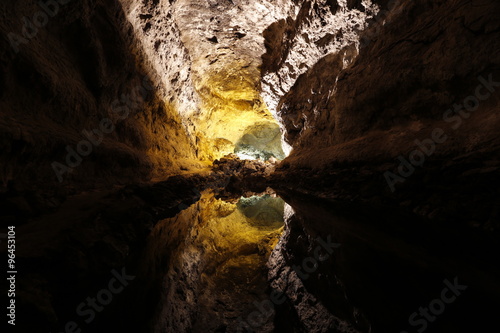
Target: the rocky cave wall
(220, 101)
(369, 94)
(225, 42)
(394, 80)
(369, 104)
(83, 65)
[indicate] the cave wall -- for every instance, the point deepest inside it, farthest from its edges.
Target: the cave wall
(210, 58)
(378, 118)
(297, 42)
(84, 65)
(372, 92)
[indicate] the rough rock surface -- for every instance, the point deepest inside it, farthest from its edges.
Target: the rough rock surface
(297, 42)
(84, 65)
(454, 43)
(355, 114)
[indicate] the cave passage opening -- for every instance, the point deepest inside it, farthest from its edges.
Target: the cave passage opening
(233, 116)
(261, 140)
(241, 127)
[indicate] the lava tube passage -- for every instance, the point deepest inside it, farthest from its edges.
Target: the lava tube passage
(250, 166)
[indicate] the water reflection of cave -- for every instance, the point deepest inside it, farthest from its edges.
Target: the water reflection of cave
(262, 212)
(219, 272)
(260, 141)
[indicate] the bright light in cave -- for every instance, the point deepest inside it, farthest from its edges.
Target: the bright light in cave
(243, 156)
(261, 140)
(233, 117)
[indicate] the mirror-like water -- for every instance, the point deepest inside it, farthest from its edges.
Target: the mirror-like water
(218, 270)
(339, 267)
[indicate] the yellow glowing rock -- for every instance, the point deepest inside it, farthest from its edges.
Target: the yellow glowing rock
(231, 104)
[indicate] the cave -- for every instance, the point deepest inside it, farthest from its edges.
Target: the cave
(256, 166)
